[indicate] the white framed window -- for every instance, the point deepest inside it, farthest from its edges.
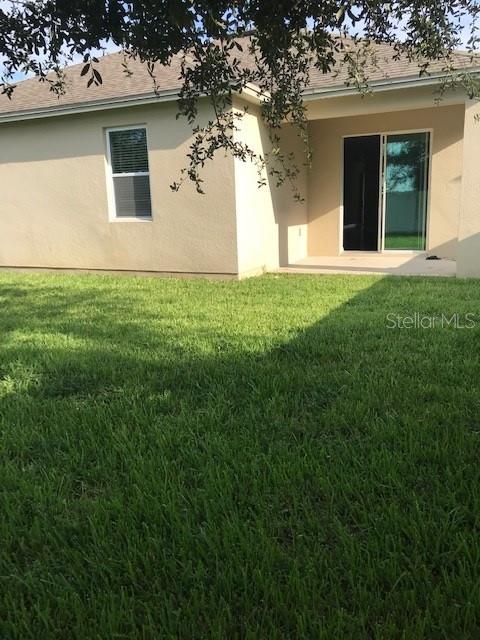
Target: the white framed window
(129, 179)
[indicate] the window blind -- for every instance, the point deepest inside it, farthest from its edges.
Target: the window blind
(130, 172)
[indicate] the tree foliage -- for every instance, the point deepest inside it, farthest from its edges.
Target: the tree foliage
(227, 46)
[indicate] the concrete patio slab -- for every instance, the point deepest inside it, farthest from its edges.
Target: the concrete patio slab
(404, 264)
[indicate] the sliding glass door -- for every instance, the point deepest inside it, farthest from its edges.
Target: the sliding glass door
(361, 175)
(405, 186)
(385, 192)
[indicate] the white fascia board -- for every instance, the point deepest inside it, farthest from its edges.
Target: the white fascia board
(387, 84)
(250, 93)
(63, 110)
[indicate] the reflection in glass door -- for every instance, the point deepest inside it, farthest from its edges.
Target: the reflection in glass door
(405, 189)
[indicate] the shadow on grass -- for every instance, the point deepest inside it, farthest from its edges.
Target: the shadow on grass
(257, 459)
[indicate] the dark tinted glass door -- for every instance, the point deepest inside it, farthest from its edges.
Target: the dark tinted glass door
(361, 193)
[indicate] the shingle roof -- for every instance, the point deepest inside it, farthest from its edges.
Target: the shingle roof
(117, 85)
(384, 65)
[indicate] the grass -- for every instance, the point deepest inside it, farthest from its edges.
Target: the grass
(257, 459)
(403, 241)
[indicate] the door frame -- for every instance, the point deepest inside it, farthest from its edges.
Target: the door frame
(381, 191)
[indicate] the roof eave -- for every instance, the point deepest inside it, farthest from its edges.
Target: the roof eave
(250, 93)
(386, 84)
(85, 107)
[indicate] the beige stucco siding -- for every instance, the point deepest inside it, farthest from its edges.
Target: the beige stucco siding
(325, 179)
(468, 252)
(54, 209)
(293, 213)
(271, 224)
(257, 228)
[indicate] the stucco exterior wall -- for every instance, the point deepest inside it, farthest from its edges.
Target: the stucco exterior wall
(293, 214)
(271, 225)
(468, 252)
(325, 178)
(257, 227)
(54, 207)
(54, 210)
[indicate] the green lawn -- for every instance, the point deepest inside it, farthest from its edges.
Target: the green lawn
(401, 241)
(260, 459)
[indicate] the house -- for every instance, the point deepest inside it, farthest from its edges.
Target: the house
(85, 177)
